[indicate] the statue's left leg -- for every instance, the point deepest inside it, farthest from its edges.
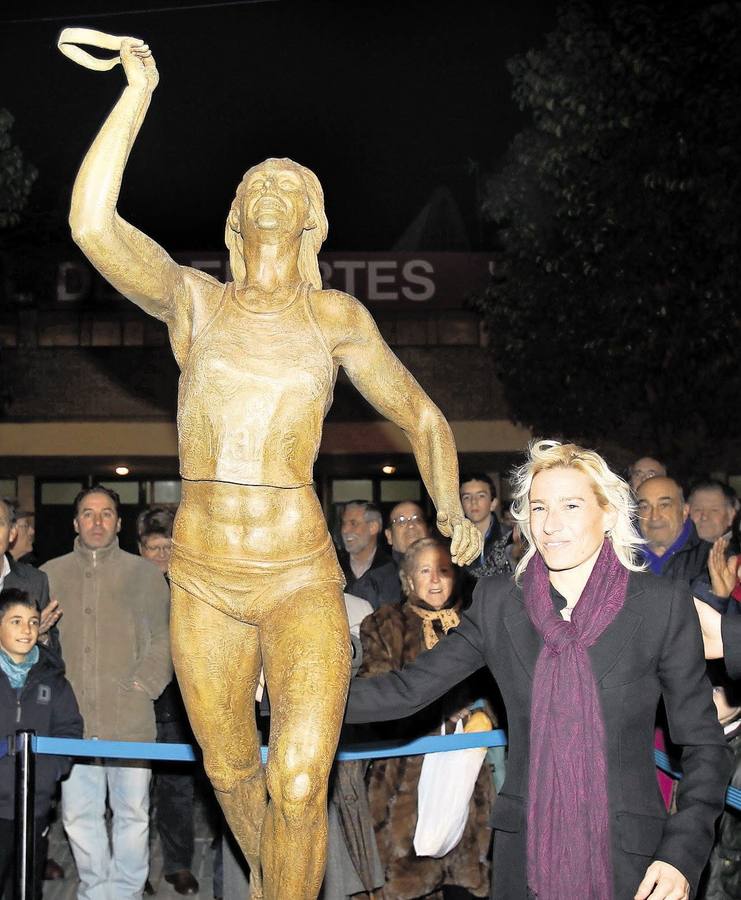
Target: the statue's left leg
(305, 646)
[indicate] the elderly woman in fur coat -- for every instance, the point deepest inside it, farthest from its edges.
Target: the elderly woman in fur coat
(393, 636)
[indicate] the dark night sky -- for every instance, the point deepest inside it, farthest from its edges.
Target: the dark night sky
(384, 102)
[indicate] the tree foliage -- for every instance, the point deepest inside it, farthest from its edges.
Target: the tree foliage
(16, 179)
(16, 175)
(615, 311)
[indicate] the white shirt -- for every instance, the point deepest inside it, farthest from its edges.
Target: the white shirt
(5, 572)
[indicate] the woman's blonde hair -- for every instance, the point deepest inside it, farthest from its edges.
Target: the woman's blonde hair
(609, 489)
(311, 240)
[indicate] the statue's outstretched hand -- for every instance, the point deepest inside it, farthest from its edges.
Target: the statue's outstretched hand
(132, 53)
(466, 540)
(138, 64)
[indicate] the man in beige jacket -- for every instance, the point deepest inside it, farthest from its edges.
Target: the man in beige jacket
(114, 634)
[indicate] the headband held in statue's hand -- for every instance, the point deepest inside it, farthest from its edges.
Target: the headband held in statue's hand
(70, 37)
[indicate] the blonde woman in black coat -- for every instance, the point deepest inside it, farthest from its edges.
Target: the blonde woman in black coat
(583, 645)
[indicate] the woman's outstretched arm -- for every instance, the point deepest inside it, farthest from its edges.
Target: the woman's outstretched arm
(404, 692)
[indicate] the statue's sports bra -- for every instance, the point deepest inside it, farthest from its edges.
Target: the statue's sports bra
(254, 390)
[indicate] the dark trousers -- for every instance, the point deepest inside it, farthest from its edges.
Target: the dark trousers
(174, 786)
(7, 856)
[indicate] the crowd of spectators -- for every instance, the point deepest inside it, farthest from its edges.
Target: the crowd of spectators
(84, 639)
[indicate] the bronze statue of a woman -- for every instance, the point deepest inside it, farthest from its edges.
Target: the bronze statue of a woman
(255, 580)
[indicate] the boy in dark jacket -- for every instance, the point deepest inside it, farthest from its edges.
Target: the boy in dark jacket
(34, 695)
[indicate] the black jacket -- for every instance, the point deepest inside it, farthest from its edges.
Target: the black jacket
(653, 648)
(691, 562)
(381, 560)
(722, 880)
(46, 704)
(380, 584)
(690, 565)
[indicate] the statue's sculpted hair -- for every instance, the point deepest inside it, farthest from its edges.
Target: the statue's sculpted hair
(311, 240)
(609, 489)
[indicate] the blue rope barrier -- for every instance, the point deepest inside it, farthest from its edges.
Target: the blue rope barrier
(378, 750)
(3, 748)
(733, 794)
(184, 752)
(664, 763)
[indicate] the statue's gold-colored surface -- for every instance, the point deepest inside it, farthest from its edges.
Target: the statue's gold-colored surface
(255, 580)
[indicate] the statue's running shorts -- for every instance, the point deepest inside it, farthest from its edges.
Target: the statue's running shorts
(249, 590)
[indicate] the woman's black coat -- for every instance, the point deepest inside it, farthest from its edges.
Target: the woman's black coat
(653, 648)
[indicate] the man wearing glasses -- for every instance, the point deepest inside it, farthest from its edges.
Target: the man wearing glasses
(379, 585)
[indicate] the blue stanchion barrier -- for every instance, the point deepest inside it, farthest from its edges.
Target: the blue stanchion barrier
(379, 750)
(3, 748)
(184, 752)
(733, 794)
(664, 763)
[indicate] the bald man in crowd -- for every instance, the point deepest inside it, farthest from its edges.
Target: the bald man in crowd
(674, 548)
(644, 468)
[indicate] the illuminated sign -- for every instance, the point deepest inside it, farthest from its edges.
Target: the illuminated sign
(378, 279)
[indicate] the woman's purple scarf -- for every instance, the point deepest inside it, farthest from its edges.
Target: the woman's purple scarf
(568, 835)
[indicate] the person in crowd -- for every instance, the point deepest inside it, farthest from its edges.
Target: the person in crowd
(672, 546)
(174, 784)
(360, 529)
(712, 507)
(20, 573)
(21, 547)
(583, 646)
(722, 878)
(644, 468)
(116, 644)
(24, 577)
(479, 501)
(381, 584)
(34, 696)
(393, 637)
(673, 549)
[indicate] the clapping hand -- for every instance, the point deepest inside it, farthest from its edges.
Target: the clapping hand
(723, 571)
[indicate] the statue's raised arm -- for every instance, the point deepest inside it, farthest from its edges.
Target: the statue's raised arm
(132, 262)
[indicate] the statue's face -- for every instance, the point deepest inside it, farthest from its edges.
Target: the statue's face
(274, 200)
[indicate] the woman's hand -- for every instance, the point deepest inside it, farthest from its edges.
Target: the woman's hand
(138, 63)
(663, 882)
(723, 572)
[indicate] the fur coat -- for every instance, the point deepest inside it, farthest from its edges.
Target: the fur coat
(392, 637)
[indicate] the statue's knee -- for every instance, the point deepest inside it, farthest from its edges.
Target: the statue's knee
(225, 775)
(293, 789)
